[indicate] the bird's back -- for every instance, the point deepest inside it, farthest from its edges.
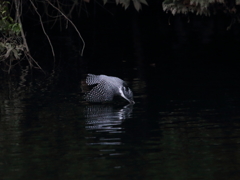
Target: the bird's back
(104, 88)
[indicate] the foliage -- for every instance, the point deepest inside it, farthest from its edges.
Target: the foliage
(10, 48)
(11, 45)
(7, 24)
(200, 7)
(125, 3)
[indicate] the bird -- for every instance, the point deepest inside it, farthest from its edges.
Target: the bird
(106, 87)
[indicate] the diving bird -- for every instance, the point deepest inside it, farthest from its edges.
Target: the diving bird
(106, 87)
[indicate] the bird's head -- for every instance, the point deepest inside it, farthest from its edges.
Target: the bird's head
(127, 94)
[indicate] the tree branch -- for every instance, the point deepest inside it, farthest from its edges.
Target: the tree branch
(71, 23)
(40, 18)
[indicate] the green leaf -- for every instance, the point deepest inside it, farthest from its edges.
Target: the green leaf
(6, 2)
(125, 3)
(15, 53)
(144, 2)
(137, 5)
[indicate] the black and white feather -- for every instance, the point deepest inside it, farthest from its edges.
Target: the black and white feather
(106, 87)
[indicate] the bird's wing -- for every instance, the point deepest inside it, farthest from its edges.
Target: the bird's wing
(100, 93)
(93, 79)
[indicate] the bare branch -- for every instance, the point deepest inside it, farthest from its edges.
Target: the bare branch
(71, 23)
(17, 6)
(40, 18)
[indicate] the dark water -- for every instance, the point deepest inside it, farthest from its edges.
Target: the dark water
(176, 130)
(185, 123)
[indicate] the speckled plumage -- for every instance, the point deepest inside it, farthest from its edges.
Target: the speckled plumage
(106, 88)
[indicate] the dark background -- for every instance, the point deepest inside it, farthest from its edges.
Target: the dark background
(147, 44)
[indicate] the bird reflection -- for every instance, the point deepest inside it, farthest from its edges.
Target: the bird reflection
(106, 118)
(105, 124)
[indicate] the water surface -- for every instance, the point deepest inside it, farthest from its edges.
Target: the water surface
(172, 132)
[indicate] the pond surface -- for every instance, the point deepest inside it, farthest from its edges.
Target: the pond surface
(187, 131)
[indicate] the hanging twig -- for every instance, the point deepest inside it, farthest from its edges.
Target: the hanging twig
(71, 10)
(71, 23)
(40, 18)
(26, 51)
(17, 5)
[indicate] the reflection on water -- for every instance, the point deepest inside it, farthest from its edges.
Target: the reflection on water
(48, 133)
(104, 118)
(106, 122)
